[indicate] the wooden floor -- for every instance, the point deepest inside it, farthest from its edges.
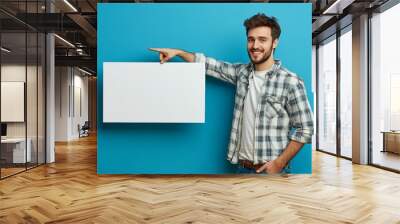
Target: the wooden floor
(70, 191)
(5, 172)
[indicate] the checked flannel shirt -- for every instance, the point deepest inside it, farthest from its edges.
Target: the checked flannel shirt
(283, 111)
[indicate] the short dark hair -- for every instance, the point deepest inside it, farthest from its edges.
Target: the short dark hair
(260, 19)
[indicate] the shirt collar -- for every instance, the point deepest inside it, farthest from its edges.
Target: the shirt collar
(275, 67)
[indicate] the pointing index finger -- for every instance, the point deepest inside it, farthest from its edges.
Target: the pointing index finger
(155, 49)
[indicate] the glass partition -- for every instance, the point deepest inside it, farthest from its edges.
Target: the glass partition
(14, 153)
(22, 77)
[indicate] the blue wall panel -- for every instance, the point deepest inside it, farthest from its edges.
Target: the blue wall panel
(126, 31)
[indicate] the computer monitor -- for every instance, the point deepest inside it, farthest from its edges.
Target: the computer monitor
(3, 129)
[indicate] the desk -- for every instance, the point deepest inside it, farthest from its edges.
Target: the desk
(13, 150)
(391, 141)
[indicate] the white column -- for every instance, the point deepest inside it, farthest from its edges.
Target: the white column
(50, 100)
(50, 92)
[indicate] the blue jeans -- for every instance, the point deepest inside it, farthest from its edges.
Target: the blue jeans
(244, 170)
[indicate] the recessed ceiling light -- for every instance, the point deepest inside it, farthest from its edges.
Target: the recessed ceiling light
(5, 50)
(64, 40)
(84, 71)
(70, 5)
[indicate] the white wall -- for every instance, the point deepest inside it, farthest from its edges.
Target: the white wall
(80, 103)
(15, 72)
(61, 103)
(10, 73)
(71, 87)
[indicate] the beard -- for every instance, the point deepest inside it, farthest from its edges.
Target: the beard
(264, 58)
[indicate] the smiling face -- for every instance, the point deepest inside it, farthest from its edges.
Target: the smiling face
(260, 44)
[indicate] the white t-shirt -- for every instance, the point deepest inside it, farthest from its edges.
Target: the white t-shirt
(256, 81)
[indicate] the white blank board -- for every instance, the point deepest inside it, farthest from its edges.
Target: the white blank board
(136, 92)
(12, 101)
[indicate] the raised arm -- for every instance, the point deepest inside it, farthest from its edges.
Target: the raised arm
(221, 70)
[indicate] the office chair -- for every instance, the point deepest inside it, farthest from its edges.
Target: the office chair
(84, 130)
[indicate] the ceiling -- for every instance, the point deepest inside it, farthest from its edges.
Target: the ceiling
(76, 22)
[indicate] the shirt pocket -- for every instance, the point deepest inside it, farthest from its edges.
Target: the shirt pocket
(241, 88)
(272, 107)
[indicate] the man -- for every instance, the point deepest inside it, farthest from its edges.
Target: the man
(272, 119)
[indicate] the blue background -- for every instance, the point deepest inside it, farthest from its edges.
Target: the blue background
(125, 31)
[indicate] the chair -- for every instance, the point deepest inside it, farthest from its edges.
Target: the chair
(84, 130)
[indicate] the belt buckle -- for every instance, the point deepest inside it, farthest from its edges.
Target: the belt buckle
(244, 164)
(250, 165)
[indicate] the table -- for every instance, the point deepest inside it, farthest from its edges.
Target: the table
(391, 141)
(13, 150)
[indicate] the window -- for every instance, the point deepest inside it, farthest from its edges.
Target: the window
(385, 89)
(346, 75)
(327, 95)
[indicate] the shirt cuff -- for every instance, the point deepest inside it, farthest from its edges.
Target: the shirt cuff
(302, 137)
(199, 57)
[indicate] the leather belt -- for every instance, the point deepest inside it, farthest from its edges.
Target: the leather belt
(249, 164)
